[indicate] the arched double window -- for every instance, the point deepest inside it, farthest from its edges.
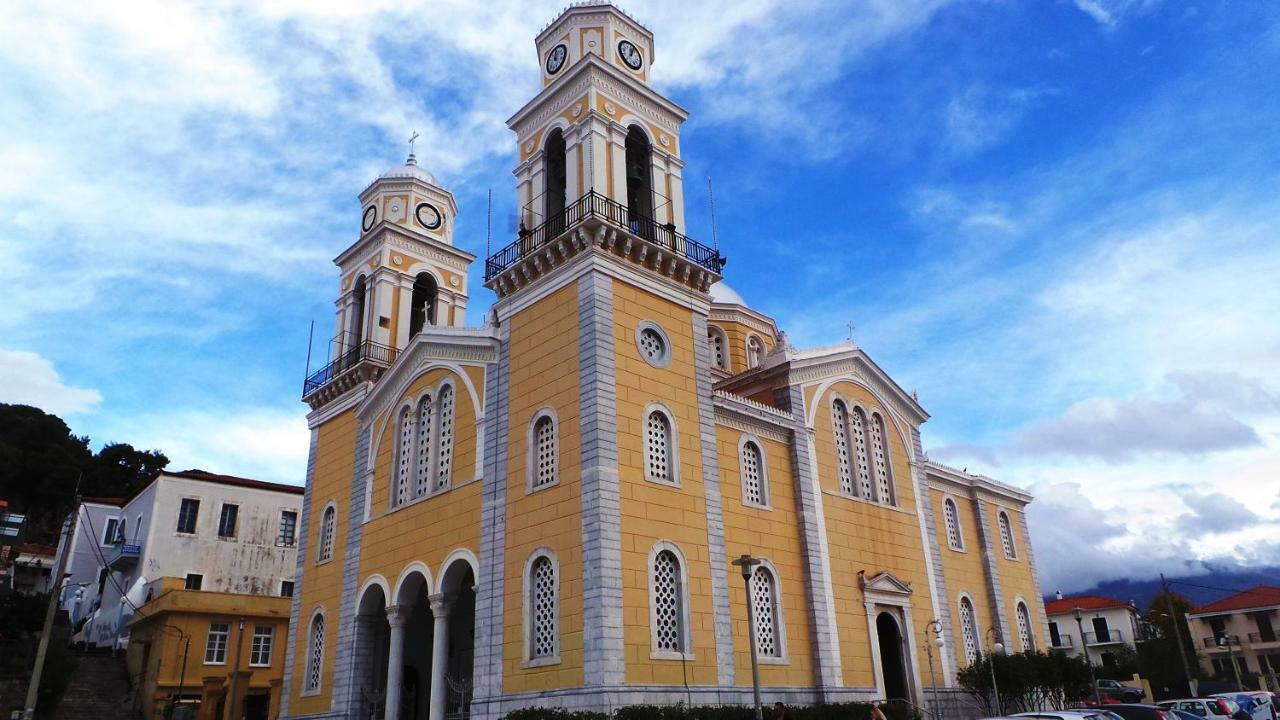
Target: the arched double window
(755, 351)
(1006, 536)
(767, 612)
(660, 446)
(849, 430)
(424, 454)
(719, 347)
(668, 602)
(969, 629)
(1024, 627)
(755, 483)
(544, 451)
(328, 523)
(543, 608)
(315, 654)
(951, 519)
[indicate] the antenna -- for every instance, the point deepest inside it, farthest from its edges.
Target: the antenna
(488, 224)
(711, 197)
(310, 336)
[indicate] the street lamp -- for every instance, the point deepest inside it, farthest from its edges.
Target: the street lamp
(993, 637)
(934, 629)
(1224, 640)
(747, 564)
(1084, 648)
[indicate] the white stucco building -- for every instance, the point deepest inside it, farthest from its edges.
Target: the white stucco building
(216, 532)
(91, 540)
(1107, 625)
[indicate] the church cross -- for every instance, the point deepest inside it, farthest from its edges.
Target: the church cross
(850, 326)
(411, 141)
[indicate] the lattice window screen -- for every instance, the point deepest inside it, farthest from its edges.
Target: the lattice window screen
(884, 478)
(764, 606)
(658, 446)
(405, 461)
(717, 349)
(858, 426)
(543, 602)
(752, 479)
(1024, 628)
(444, 443)
(968, 629)
(316, 655)
(652, 345)
(840, 428)
(326, 534)
(544, 451)
(952, 519)
(668, 599)
(1006, 537)
(426, 414)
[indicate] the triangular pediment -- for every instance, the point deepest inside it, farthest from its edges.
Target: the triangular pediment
(885, 583)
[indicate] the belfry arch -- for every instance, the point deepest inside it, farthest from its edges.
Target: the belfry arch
(555, 195)
(639, 180)
(423, 309)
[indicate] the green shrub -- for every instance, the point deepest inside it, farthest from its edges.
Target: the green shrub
(832, 711)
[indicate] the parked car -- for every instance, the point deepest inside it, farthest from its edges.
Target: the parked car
(1256, 704)
(1139, 711)
(1117, 689)
(1212, 708)
(1081, 714)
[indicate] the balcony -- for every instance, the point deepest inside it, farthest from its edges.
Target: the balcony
(1064, 642)
(124, 556)
(642, 240)
(1257, 637)
(1212, 642)
(1103, 638)
(351, 366)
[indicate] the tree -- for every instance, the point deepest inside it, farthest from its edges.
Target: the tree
(1158, 658)
(1029, 681)
(41, 461)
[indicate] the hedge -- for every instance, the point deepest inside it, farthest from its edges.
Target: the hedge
(833, 711)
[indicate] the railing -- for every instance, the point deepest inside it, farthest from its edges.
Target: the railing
(1063, 642)
(1262, 637)
(596, 205)
(1212, 641)
(1098, 638)
(347, 359)
(125, 554)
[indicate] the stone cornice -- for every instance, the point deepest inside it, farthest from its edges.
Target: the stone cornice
(592, 71)
(757, 321)
(386, 234)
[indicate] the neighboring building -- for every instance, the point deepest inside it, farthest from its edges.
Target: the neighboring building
(1241, 627)
(13, 528)
(1107, 624)
(92, 538)
(31, 569)
(544, 510)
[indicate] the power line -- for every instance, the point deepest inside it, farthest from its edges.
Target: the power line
(1208, 587)
(93, 535)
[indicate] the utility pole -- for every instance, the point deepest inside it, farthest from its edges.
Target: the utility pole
(1177, 635)
(1084, 647)
(234, 712)
(55, 593)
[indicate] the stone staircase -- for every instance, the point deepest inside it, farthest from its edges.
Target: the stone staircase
(98, 689)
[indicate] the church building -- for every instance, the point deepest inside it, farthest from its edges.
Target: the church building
(544, 508)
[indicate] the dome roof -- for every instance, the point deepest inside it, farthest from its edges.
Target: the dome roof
(725, 295)
(410, 169)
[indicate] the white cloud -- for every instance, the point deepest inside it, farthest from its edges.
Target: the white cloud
(1109, 12)
(981, 116)
(29, 379)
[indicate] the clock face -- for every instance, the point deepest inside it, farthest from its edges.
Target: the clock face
(556, 58)
(370, 215)
(428, 216)
(630, 54)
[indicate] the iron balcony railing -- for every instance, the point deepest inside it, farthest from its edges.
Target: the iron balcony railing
(596, 205)
(346, 360)
(1098, 638)
(1261, 637)
(126, 554)
(1063, 641)
(1214, 641)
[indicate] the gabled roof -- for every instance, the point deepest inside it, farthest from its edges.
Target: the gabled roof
(1260, 596)
(1084, 602)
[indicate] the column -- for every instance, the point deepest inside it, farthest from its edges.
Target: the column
(276, 693)
(212, 691)
(397, 618)
(235, 704)
(440, 604)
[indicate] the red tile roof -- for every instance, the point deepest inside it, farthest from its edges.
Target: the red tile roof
(237, 481)
(33, 549)
(1084, 602)
(1254, 597)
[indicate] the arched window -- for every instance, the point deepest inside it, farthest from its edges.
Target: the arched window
(544, 592)
(1024, 627)
(444, 437)
(315, 654)
(1006, 536)
(639, 182)
(668, 603)
(755, 351)
(969, 629)
(557, 179)
(423, 310)
(324, 550)
(766, 612)
(426, 418)
(355, 323)
(951, 518)
(755, 488)
(880, 451)
(719, 347)
(400, 492)
(840, 431)
(544, 458)
(858, 431)
(659, 444)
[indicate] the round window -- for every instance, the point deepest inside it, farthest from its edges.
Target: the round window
(653, 344)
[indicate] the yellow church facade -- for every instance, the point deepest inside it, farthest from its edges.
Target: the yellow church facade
(543, 509)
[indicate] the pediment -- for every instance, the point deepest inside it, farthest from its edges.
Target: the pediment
(433, 347)
(884, 583)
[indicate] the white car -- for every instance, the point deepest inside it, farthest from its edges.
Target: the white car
(1067, 715)
(1210, 708)
(1262, 708)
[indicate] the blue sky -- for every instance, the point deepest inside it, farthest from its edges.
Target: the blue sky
(1056, 220)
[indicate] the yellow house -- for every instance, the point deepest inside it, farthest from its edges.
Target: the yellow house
(215, 652)
(544, 510)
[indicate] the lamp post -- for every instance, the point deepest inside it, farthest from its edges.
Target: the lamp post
(932, 639)
(1084, 648)
(747, 564)
(993, 637)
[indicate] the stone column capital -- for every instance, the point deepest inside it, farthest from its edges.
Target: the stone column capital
(441, 603)
(398, 615)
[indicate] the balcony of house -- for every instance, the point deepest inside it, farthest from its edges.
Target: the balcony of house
(1263, 638)
(610, 226)
(123, 556)
(352, 364)
(1220, 642)
(1063, 642)
(1106, 637)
